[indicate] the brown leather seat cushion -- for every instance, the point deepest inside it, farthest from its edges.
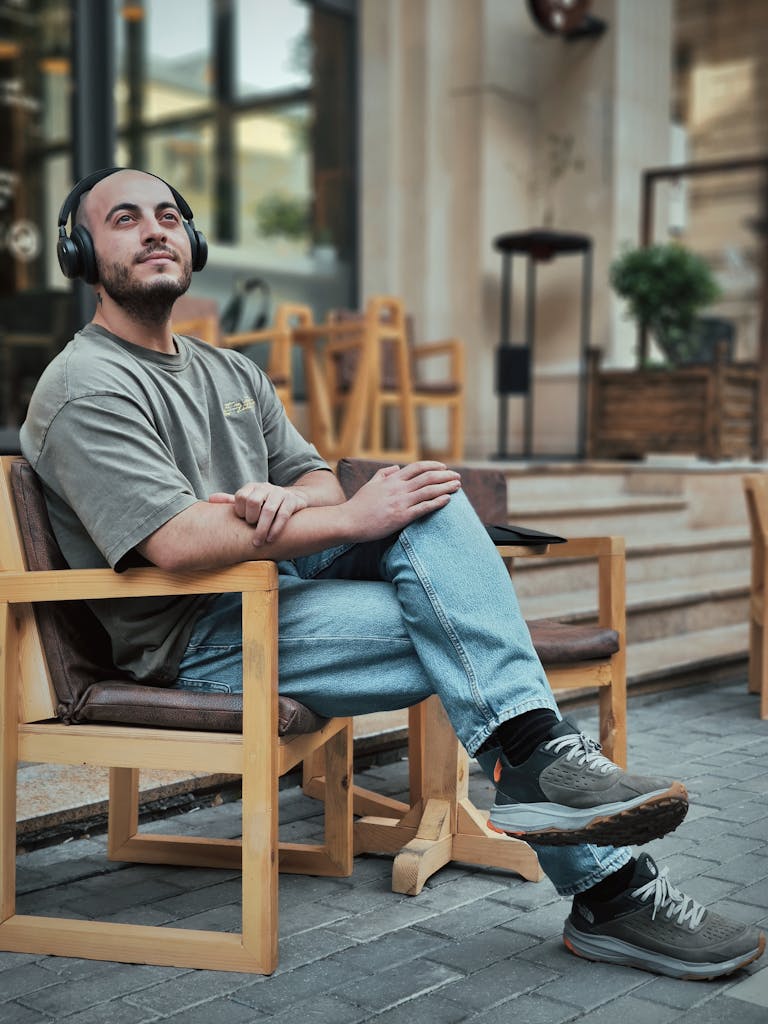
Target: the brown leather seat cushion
(559, 643)
(88, 686)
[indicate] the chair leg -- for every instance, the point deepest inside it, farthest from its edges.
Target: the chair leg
(123, 814)
(8, 762)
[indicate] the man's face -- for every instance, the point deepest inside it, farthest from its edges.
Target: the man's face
(142, 249)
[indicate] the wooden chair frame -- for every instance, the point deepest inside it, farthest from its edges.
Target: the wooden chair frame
(756, 491)
(452, 402)
(440, 824)
(29, 732)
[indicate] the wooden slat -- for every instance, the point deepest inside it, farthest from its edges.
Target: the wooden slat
(130, 943)
(116, 746)
(95, 584)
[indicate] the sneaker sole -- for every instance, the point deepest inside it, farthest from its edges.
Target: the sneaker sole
(604, 949)
(621, 824)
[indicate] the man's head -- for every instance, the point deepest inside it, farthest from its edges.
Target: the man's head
(134, 239)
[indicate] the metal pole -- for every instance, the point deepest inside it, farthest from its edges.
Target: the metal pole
(586, 329)
(530, 330)
(506, 320)
(93, 115)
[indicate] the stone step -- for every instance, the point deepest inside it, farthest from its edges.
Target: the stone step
(631, 517)
(704, 656)
(679, 555)
(658, 608)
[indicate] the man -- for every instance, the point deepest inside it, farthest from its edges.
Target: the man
(156, 448)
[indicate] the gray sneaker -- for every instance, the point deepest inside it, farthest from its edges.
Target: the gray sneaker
(568, 793)
(657, 928)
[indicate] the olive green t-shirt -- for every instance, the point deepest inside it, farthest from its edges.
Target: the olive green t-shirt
(124, 438)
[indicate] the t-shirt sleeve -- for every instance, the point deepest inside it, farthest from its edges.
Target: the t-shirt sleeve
(103, 458)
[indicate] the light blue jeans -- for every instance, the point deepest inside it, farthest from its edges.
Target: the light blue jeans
(380, 626)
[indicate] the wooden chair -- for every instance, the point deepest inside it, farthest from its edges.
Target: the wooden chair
(439, 823)
(756, 490)
(60, 703)
(336, 429)
(401, 382)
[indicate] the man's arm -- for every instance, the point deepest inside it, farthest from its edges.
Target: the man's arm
(212, 534)
(268, 507)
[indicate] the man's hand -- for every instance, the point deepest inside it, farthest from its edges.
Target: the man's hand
(264, 506)
(395, 497)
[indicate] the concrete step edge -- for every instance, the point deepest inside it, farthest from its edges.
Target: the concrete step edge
(642, 596)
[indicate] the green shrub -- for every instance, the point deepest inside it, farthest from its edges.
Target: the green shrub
(665, 287)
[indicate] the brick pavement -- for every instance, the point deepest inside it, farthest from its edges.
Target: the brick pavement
(475, 946)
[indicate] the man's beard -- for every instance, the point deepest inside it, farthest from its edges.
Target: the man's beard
(147, 302)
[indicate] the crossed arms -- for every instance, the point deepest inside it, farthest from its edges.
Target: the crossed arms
(263, 521)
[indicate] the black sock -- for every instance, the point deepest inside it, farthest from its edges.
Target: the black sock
(518, 737)
(612, 885)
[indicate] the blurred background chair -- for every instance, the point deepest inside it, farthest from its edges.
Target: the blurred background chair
(756, 490)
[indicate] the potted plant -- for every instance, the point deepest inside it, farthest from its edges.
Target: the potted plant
(665, 287)
(283, 216)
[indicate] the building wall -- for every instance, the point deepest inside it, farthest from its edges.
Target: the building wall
(473, 124)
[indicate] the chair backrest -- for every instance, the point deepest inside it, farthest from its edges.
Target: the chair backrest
(66, 664)
(76, 647)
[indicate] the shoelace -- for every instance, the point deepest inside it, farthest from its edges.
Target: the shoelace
(584, 750)
(667, 897)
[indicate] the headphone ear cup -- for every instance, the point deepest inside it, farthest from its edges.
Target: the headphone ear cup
(69, 257)
(83, 243)
(199, 246)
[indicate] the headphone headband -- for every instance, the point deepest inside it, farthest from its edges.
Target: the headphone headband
(71, 203)
(76, 254)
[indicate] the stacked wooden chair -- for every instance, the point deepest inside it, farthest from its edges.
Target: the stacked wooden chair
(63, 702)
(756, 491)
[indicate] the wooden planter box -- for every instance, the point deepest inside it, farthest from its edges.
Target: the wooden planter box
(712, 411)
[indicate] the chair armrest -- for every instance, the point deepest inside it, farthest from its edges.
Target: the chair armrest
(610, 553)
(96, 584)
(447, 347)
(453, 347)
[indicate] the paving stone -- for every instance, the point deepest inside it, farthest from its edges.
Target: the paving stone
(757, 894)
(393, 986)
(301, 986)
(742, 870)
(14, 1013)
(310, 946)
(325, 1009)
(188, 990)
(722, 1010)
(633, 1011)
(533, 1009)
(389, 919)
(116, 1012)
(104, 895)
(15, 960)
(218, 1011)
(542, 922)
(431, 1009)
(65, 998)
(497, 983)
(481, 950)
(467, 920)
(394, 948)
(297, 919)
(593, 987)
(674, 992)
(194, 902)
(17, 981)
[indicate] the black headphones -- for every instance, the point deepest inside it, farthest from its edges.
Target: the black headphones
(232, 316)
(77, 257)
